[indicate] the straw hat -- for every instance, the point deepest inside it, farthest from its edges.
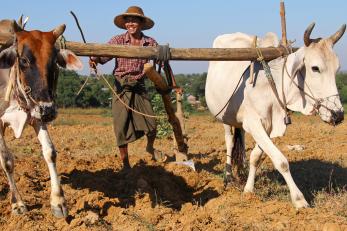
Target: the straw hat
(133, 11)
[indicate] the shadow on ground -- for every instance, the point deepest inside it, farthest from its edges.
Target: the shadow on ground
(162, 186)
(314, 175)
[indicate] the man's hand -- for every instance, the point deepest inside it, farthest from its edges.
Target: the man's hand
(93, 62)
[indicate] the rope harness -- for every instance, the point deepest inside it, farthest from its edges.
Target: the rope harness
(318, 101)
(283, 104)
(22, 93)
(272, 84)
(102, 76)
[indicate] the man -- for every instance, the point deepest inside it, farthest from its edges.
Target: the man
(129, 125)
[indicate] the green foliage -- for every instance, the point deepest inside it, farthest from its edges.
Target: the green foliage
(193, 84)
(164, 128)
(94, 93)
(341, 83)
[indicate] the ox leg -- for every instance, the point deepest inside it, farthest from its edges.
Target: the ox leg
(254, 162)
(280, 162)
(228, 135)
(58, 204)
(7, 163)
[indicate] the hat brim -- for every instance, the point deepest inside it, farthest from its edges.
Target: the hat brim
(120, 20)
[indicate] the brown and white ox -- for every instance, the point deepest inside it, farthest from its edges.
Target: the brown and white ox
(305, 80)
(30, 62)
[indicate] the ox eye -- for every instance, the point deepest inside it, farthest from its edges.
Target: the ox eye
(24, 62)
(315, 69)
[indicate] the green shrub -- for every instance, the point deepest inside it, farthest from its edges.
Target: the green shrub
(164, 128)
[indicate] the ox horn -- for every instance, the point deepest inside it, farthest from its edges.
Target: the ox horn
(307, 34)
(59, 30)
(22, 23)
(338, 34)
(16, 27)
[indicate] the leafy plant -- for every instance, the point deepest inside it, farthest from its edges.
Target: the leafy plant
(164, 128)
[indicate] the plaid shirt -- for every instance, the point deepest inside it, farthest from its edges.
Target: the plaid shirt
(130, 66)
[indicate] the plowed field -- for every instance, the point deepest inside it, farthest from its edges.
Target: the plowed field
(167, 196)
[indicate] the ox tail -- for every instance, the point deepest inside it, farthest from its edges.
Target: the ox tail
(238, 153)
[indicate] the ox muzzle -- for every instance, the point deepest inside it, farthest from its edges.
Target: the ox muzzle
(337, 117)
(329, 109)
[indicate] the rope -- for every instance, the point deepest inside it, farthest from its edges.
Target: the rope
(61, 42)
(270, 77)
(227, 103)
(317, 101)
(163, 53)
(83, 85)
(122, 102)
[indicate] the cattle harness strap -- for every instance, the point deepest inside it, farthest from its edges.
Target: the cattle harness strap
(237, 86)
(270, 78)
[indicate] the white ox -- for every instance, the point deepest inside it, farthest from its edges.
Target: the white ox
(253, 107)
(29, 62)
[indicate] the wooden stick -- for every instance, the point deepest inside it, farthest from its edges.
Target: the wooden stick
(213, 54)
(179, 112)
(283, 23)
(173, 120)
(180, 115)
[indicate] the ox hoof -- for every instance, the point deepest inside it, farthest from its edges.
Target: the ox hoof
(19, 208)
(300, 203)
(59, 211)
(247, 190)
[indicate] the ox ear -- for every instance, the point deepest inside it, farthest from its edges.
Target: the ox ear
(8, 57)
(67, 59)
(297, 65)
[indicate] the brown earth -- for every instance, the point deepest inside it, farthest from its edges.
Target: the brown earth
(156, 196)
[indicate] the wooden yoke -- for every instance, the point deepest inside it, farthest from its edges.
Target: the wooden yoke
(159, 82)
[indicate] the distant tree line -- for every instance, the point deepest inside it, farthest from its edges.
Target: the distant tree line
(341, 82)
(96, 94)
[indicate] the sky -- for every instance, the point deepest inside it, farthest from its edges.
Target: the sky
(185, 24)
